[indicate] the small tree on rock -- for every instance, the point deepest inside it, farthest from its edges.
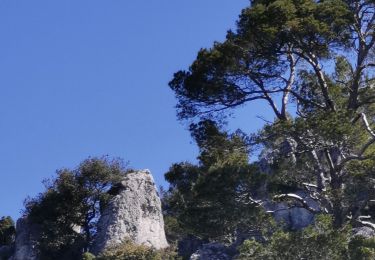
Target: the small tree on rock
(68, 210)
(7, 231)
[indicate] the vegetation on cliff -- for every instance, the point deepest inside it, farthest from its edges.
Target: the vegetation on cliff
(312, 64)
(67, 212)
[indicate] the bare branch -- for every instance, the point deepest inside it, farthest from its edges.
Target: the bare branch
(306, 101)
(359, 156)
(366, 223)
(313, 61)
(268, 97)
(329, 159)
(297, 198)
(289, 83)
(309, 185)
(364, 118)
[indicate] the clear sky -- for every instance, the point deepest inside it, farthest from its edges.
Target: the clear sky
(89, 78)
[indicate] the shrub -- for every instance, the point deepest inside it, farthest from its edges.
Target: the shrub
(318, 241)
(130, 251)
(7, 231)
(88, 256)
(362, 248)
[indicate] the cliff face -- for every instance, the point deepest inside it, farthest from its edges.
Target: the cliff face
(134, 213)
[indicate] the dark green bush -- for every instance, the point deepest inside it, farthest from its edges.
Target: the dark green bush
(7, 231)
(130, 251)
(88, 256)
(317, 242)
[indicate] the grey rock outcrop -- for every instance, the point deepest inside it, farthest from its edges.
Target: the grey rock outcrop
(134, 213)
(293, 217)
(365, 232)
(26, 236)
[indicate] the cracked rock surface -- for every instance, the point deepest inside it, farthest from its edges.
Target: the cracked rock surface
(133, 213)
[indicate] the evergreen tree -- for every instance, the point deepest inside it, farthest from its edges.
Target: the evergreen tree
(67, 212)
(210, 200)
(315, 56)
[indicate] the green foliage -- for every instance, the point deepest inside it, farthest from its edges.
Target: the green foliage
(319, 241)
(218, 148)
(7, 231)
(213, 207)
(211, 200)
(88, 256)
(252, 249)
(173, 230)
(129, 251)
(313, 56)
(73, 199)
(252, 61)
(362, 248)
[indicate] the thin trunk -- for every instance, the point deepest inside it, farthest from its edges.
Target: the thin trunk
(289, 84)
(337, 207)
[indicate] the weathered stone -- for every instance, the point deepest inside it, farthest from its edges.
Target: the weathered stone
(300, 218)
(212, 251)
(134, 213)
(293, 217)
(365, 232)
(26, 236)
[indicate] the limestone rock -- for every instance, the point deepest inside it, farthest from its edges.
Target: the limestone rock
(134, 213)
(293, 217)
(26, 237)
(365, 232)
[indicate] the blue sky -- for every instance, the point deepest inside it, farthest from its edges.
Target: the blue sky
(89, 78)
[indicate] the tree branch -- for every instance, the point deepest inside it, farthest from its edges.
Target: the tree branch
(297, 198)
(359, 155)
(366, 223)
(289, 83)
(313, 61)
